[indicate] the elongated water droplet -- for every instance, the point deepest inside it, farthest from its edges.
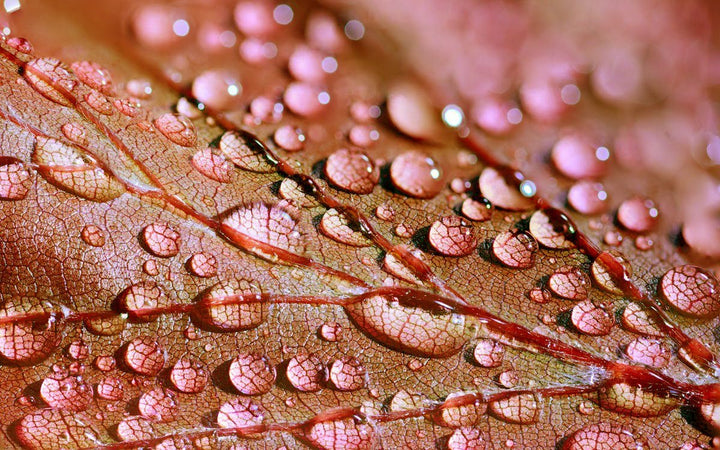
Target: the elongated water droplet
(416, 175)
(189, 376)
(51, 429)
(106, 326)
(266, 224)
(515, 249)
(570, 283)
(336, 226)
(225, 307)
(244, 154)
(139, 299)
(70, 168)
(691, 290)
(99, 102)
(240, 412)
(212, 165)
(20, 44)
(306, 372)
(161, 240)
(352, 170)
(602, 275)
(29, 341)
(394, 266)
(545, 231)
(94, 75)
(158, 405)
(51, 78)
(347, 373)
(252, 373)
(15, 179)
(178, 128)
(349, 433)
(467, 414)
(638, 320)
(66, 392)
(145, 356)
(634, 401)
(604, 436)
(522, 409)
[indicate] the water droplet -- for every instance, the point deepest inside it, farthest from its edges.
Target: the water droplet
(347, 374)
(570, 283)
(290, 138)
(411, 111)
(643, 243)
(178, 128)
(638, 320)
(385, 212)
(591, 319)
(336, 226)
(271, 225)
(416, 175)
(139, 88)
(254, 18)
(110, 388)
(638, 214)
(19, 44)
(252, 373)
(305, 64)
(331, 331)
(649, 351)
(127, 106)
(105, 363)
(203, 265)
(70, 393)
(135, 429)
(493, 115)
(60, 82)
(75, 132)
(346, 433)
(240, 412)
(500, 193)
(588, 197)
(710, 415)
(106, 326)
(176, 443)
(515, 249)
(539, 295)
(406, 401)
(24, 342)
(691, 290)
(158, 405)
(489, 353)
(145, 356)
(306, 372)
(189, 376)
(363, 135)
(223, 307)
(99, 102)
(521, 409)
(217, 89)
(623, 398)
(547, 233)
(575, 158)
(404, 230)
(586, 408)
(70, 168)
(51, 429)
(508, 378)
(477, 210)
(352, 170)
(161, 240)
(467, 438)
(304, 99)
(396, 267)
(15, 179)
(264, 109)
(452, 236)
(293, 191)
(212, 165)
(461, 415)
(702, 235)
(601, 273)
(604, 436)
(244, 154)
(78, 350)
(139, 301)
(613, 238)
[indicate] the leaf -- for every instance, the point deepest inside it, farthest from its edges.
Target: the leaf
(212, 221)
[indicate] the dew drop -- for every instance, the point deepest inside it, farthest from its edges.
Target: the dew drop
(240, 412)
(539, 295)
(411, 111)
(467, 438)
(264, 109)
(305, 64)
(158, 405)
(591, 319)
(576, 158)
(15, 179)
(603, 436)
(363, 135)
(649, 351)
(602, 274)
(385, 212)
(178, 128)
(352, 170)
(508, 379)
(547, 233)
(477, 210)
(139, 301)
(105, 363)
(161, 240)
(70, 168)
(638, 214)
(139, 88)
(176, 443)
(691, 290)
(452, 236)
(304, 99)
(217, 89)
(569, 282)
(623, 398)
(99, 102)
(78, 350)
(75, 132)
(347, 374)
(252, 373)
(24, 342)
(271, 225)
(336, 226)
(637, 319)
(613, 238)
(407, 401)
(51, 429)
(702, 235)
(416, 174)
(404, 230)
(212, 165)
(710, 415)
(127, 106)
(106, 326)
(293, 191)
(19, 44)
(588, 197)
(489, 353)
(110, 388)
(342, 434)
(521, 409)
(244, 154)
(492, 115)
(225, 308)
(462, 415)
(643, 243)
(515, 249)
(501, 194)
(66, 392)
(135, 429)
(159, 26)
(203, 265)
(254, 18)
(145, 356)
(60, 82)
(290, 138)
(395, 267)
(331, 331)
(306, 372)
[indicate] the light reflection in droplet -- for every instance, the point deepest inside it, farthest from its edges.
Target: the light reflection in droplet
(570, 94)
(181, 27)
(283, 14)
(602, 153)
(435, 174)
(453, 116)
(354, 30)
(713, 149)
(324, 98)
(227, 38)
(329, 64)
(11, 5)
(528, 188)
(233, 90)
(269, 50)
(514, 116)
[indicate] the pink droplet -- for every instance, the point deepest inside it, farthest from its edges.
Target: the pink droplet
(603, 436)
(217, 89)
(477, 210)
(521, 409)
(50, 78)
(331, 331)
(542, 100)
(235, 148)
(203, 265)
(489, 353)
(289, 138)
(189, 376)
(416, 175)
(452, 236)
(304, 99)
(135, 429)
(305, 64)
(66, 392)
(644, 243)
(145, 356)
(240, 412)
(28, 342)
(20, 44)
(467, 438)
(570, 283)
(95, 76)
(515, 249)
(178, 128)
(105, 363)
(702, 235)
(588, 197)
(546, 233)
(139, 88)
(613, 238)
(51, 428)
(153, 25)
(575, 157)
(110, 388)
(254, 18)
(691, 290)
(336, 226)
(78, 350)
(323, 32)
(638, 214)
(161, 240)
(306, 372)
(15, 179)
(363, 135)
(497, 190)
(492, 115)
(158, 405)
(411, 112)
(269, 224)
(347, 374)
(602, 275)
(212, 165)
(352, 170)
(591, 319)
(638, 319)
(649, 351)
(75, 132)
(252, 373)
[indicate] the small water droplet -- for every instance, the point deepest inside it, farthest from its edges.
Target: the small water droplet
(575, 157)
(352, 170)
(223, 307)
(78, 350)
(264, 109)
(588, 197)
(15, 179)
(604, 436)
(602, 276)
(212, 165)
(254, 18)
(539, 295)
(638, 214)
(515, 249)
(452, 236)
(306, 64)
(416, 175)
(290, 138)
(75, 132)
(613, 238)
(691, 290)
(66, 392)
(508, 378)
(570, 283)
(105, 363)
(99, 102)
(158, 405)
(591, 319)
(547, 233)
(135, 429)
(385, 212)
(331, 331)
(489, 353)
(94, 75)
(217, 89)
(267, 224)
(178, 128)
(411, 111)
(306, 372)
(244, 154)
(404, 230)
(348, 433)
(139, 88)
(161, 240)
(252, 373)
(644, 243)
(477, 210)
(129, 107)
(189, 376)
(50, 78)
(521, 409)
(20, 44)
(467, 438)
(500, 192)
(638, 320)
(347, 374)
(336, 226)
(305, 99)
(240, 412)
(145, 356)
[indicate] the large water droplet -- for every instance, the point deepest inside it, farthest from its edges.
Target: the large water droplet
(252, 373)
(342, 434)
(254, 18)
(591, 319)
(588, 197)
(68, 392)
(462, 415)
(521, 409)
(477, 210)
(99, 102)
(15, 179)
(452, 236)
(189, 376)
(51, 429)
(217, 89)
(70, 168)
(635, 401)
(161, 240)
(240, 412)
(604, 436)
(545, 231)
(305, 64)
(110, 388)
(93, 235)
(223, 307)
(503, 195)
(203, 265)
(135, 429)
(158, 405)
(411, 112)
(212, 165)
(637, 319)
(489, 353)
(29, 341)
(139, 299)
(576, 158)
(266, 224)
(416, 175)
(305, 99)
(467, 438)
(145, 356)
(638, 214)
(244, 154)
(691, 290)
(410, 329)
(352, 170)
(60, 82)
(347, 373)
(306, 372)
(649, 351)
(178, 128)
(515, 249)
(602, 274)
(94, 75)
(336, 226)
(570, 283)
